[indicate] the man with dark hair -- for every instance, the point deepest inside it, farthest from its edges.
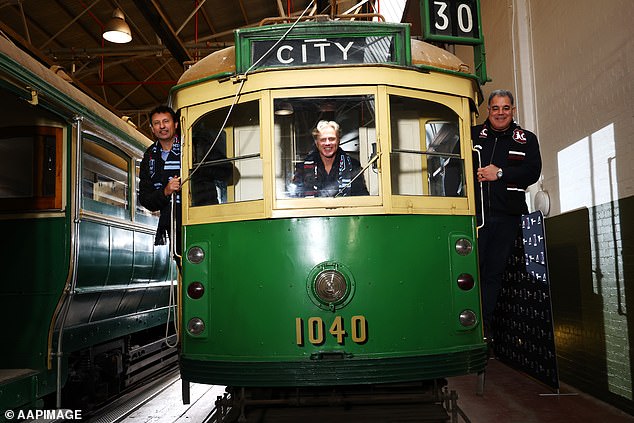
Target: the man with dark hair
(510, 161)
(160, 174)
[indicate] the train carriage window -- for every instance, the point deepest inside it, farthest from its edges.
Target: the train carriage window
(299, 171)
(227, 166)
(31, 168)
(425, 157)
(143, 215)
(104, 180)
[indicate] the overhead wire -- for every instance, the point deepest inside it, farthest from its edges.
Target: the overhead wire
(242, 78)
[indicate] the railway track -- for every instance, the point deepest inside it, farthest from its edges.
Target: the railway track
(119, 409)
(159, 401)
(402, 403)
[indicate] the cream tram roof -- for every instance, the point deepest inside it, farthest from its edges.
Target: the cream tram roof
(223, 61)
(54, 89)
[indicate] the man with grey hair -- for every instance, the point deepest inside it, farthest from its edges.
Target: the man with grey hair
(510, 161)
(328, 171)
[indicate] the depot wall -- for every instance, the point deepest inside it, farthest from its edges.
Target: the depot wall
(570, 65)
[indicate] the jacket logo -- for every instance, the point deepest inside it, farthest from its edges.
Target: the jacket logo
(176, 146)
(519, 136)
(484, 132)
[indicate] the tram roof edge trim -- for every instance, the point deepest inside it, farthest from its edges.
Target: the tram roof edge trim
(225, 63)
(60, 96)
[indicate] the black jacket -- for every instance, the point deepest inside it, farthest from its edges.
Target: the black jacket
(312, 180)
(516, 152)
(154, 175)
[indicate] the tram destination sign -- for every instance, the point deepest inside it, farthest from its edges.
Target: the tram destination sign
(322, 44)
(323, 51)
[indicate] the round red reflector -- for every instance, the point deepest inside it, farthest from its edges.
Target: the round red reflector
(195, 290)
(465, 281)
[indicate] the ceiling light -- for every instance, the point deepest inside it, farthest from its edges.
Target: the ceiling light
(284, 109)
(117, 30)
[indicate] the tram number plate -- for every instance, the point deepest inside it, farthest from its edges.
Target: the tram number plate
(313, 330)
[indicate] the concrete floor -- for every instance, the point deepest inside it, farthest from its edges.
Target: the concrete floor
(509, 397)
(512, 397)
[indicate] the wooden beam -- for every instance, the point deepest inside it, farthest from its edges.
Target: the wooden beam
(244, 12)
(155, 17)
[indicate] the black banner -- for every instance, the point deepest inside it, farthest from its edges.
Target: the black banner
(523, 330)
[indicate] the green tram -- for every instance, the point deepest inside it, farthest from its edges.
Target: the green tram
(84, 298)
(281, 289)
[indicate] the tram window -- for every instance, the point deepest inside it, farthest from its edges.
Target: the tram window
(143, 215)
(296, 154)
(227, 164)
(425, 157)
(104, 183)
(31, 168)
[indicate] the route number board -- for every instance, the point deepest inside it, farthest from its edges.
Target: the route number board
(452, 21)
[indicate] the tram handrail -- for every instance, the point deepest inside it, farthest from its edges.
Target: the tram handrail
(373, 159)
(477, 151)
(425, 153)
(288, 19)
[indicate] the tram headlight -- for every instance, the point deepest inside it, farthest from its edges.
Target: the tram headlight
(195, 255)
(468, 318)
(331, 286)
(463, 246)
(195, 326)
(195, 290)
(465, 281)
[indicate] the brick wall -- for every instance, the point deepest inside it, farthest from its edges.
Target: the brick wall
(591, 263)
